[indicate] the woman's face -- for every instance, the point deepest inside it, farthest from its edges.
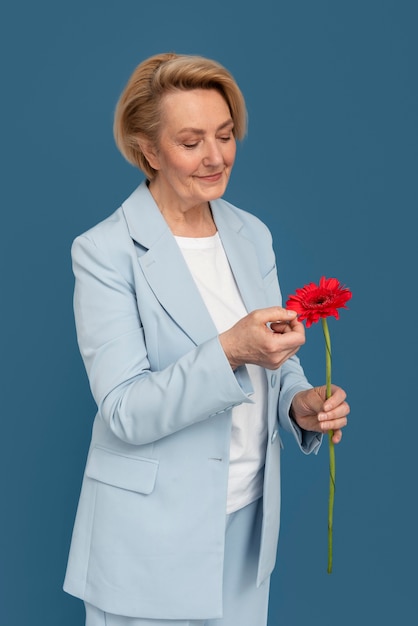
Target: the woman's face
(195, 151)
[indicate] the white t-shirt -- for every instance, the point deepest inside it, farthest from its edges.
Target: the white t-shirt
(208, 263)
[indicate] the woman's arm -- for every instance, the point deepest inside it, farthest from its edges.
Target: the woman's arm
(140, 405)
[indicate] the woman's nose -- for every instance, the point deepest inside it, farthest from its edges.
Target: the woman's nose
(213, 154)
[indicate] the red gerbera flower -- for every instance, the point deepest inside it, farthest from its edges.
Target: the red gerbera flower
(312, 302)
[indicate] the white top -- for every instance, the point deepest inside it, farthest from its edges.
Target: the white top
(208, 263)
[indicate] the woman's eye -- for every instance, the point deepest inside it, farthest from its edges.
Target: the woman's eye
(190, 145)
(226, 138)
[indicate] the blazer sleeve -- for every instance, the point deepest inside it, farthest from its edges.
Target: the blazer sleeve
(139, 405)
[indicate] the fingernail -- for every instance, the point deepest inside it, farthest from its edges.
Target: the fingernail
(322, 417)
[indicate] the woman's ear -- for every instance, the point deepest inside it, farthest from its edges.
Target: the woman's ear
(149, 151)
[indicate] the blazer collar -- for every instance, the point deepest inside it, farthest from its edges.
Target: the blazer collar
(167, 273)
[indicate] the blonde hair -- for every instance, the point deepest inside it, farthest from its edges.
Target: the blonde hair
(138, 111)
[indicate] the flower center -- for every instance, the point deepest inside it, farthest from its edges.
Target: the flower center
(319, 300)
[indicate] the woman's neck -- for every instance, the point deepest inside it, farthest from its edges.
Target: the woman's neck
(194, 221)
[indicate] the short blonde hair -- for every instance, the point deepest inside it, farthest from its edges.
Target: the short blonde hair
(138, 111)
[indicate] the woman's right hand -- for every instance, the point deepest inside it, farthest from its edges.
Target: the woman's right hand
(265, 337)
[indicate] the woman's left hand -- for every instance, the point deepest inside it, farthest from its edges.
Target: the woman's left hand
(311, 410)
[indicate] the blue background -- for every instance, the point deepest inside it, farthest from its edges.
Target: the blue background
(330, 164)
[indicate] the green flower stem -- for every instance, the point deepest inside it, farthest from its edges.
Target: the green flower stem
(331, 445)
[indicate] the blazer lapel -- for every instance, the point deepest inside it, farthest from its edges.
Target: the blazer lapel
(242, 256)
(164, 267)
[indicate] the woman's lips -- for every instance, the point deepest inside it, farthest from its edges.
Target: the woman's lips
(211, 178)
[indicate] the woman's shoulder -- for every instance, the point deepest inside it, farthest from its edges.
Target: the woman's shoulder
(108, 229)
(113, 230)
(244, 219)
(136, 219)
(103, 246)
(107, 243)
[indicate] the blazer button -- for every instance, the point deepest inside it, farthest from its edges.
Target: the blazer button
(274, 436)
(273, 380)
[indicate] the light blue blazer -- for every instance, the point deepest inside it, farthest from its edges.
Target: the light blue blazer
(148, 539)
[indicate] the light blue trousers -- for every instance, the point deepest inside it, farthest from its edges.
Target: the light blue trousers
(244, 604)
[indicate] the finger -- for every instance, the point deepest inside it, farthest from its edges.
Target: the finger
(337, 436)
(335, 424)
(337, 398)
(280, 327)
(286, 341)
(340, 412)
(274, 314)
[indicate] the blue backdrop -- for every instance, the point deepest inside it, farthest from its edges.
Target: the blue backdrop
(330, 164)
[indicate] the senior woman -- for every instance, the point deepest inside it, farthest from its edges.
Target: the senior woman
(191, 361)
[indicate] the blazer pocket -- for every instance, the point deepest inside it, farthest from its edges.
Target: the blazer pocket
(126, 472)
